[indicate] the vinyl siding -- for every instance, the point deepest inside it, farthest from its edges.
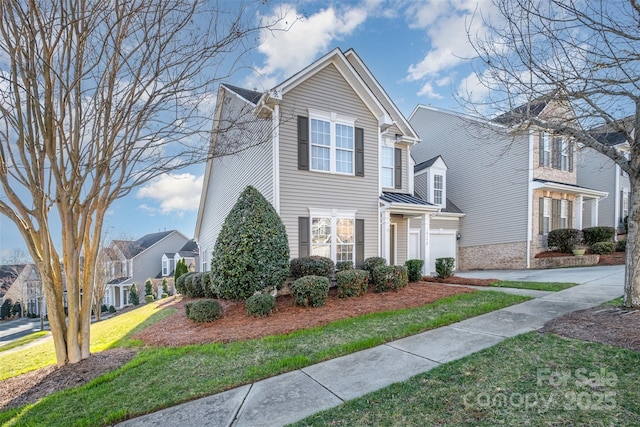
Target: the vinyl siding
(420, 186)
(444, 224)
(229, 175)
(148, 264)
(402, 233)
(299, 189)
(487, 176)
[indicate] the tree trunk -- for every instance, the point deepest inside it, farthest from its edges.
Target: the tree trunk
(632, 271)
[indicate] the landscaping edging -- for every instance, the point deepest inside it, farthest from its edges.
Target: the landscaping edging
(566, 261)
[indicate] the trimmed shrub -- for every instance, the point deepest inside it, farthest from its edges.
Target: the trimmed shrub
(260, 305)
(371, 263)
(207, 288)
(344, 265)
(603, 248)
(313, 265)
(133, 295)
(165, 287)
(252, 250)
(112, 309)
(205, 310)
(104, 308)
(564, 239)
(310, 291)
(193, 285)
(180, 269)
(390, 278)
(593, 235)
(351, 283)
(181, 285)
(16, 310)
(148, 287)
(187, 307)
(621, 246)
(5, 309)
(148, 298)
(414, 268)
(164, 295)
(444, 267)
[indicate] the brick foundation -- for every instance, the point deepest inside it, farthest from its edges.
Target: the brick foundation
(501, 256)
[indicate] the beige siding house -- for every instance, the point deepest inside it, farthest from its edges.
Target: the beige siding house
(514, 186)
(332, 154)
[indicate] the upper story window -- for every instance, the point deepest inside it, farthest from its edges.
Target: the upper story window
(556, 152)
(203, 257)
(438, 189)
(388, 165)
(165, 267)
(332, 143)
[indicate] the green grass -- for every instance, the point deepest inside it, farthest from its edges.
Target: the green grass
(105, 334)
(161, 377)
(538, 286)
(532, 379)
(615, 302)
(22, 341)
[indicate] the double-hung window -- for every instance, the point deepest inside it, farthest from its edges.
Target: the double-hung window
(388, 164)
(332, 143)
(438, 188)
(564, 213)
(333, 236)
(555, 214)
(545, 147)
(546, 215)
(165, 267)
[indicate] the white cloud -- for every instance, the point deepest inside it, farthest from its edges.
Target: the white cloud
(427, 90)
(305, 37)
(176, 193)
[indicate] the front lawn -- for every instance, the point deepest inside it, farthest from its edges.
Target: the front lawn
(538, 286)
(163, 377)
(532, 379)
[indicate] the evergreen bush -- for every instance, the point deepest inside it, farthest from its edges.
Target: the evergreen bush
(444, 267)
(104, 308)
(112, 309)
(564, 239)
(621, 246)
(593, 235)
(164, 295)
(344, 265)
(187, 307)
(310, 291)
(181, 283)
(165, 286)
(251, 253)
(148, 287)
(205, 310)
(414, 268)
(260, 305)
(5, 309)
(603, 248)
(390, 277)
(313, 265)
(148, 298)
(180, 269)
(133, 295)
(351, 283)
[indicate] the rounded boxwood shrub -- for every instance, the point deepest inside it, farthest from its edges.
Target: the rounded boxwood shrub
(313, 265)
(164, 295)
(148, 298)
(444, 267)
(260, 305)
(564, 239)
(194, 285)
(187, 307)
(371, 263)
(390, 278)
(603, 248)
(252, 250)
(414, 268)
(593, 235)
(351, 283)
(204, 310)
(112, 309)
(344, 265)
(181, 286)
(621, 246)
(310, 291)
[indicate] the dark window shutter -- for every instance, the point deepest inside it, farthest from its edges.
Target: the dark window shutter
(303, 143)
(541, 216)
(398, 168)
(541, 149)
(555, 213)
(359, 152)
(570, 146)
(556, 152)
(359, 242)
(304, 245)
(570, 214)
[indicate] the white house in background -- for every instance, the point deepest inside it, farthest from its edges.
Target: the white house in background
(189, 252)
(513, 186)
(336, 166)
(595, 170)
(21, 283)
(136, 261)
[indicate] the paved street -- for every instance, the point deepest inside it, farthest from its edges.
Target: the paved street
(14, 329)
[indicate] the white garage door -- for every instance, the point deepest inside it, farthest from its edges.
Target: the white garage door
(441, 245)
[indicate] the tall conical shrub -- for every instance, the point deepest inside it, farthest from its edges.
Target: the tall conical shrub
(252, 250)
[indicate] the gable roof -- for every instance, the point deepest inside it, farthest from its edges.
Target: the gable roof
(533, 108)
(427, 164)
(250, 95)
(8, 275)
(132, 248)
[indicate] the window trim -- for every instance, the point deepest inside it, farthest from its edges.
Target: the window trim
(333, 119)
(333, 215)
(165, 266)
(441, 189)
(393, 165)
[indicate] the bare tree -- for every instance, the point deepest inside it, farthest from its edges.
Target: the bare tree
(100, 281)
(16, 256)
(96, 98)
(587, 55)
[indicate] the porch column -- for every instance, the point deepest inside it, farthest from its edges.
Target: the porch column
(386, 230)
(578, 209)
(424, 244)
(594, 212)
(121, 296)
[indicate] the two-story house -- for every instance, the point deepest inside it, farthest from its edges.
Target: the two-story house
(21, 284)
(514, 186)
(135, 261)
(335, 164)
(189, 253)
(595, 170)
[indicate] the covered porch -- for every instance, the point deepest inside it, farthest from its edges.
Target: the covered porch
(586, 201)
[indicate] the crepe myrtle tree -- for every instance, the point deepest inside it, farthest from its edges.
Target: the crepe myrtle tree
(97, 98)
(586, 55)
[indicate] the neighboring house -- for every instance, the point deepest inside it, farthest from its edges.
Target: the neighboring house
(335, 163)
(136, 261)
(514, 186)
(21, 283)
(595, 170)
(189, 252)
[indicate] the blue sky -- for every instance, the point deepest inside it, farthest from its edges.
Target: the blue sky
(418, 50)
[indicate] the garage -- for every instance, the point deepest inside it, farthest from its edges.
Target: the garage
(442, 243)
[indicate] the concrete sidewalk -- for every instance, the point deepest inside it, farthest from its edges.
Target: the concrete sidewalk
(295, 395)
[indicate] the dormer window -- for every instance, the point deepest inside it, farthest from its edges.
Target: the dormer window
(438, 189)
(165, 266)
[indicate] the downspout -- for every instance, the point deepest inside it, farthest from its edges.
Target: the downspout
(275, 123)
(530, 200)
